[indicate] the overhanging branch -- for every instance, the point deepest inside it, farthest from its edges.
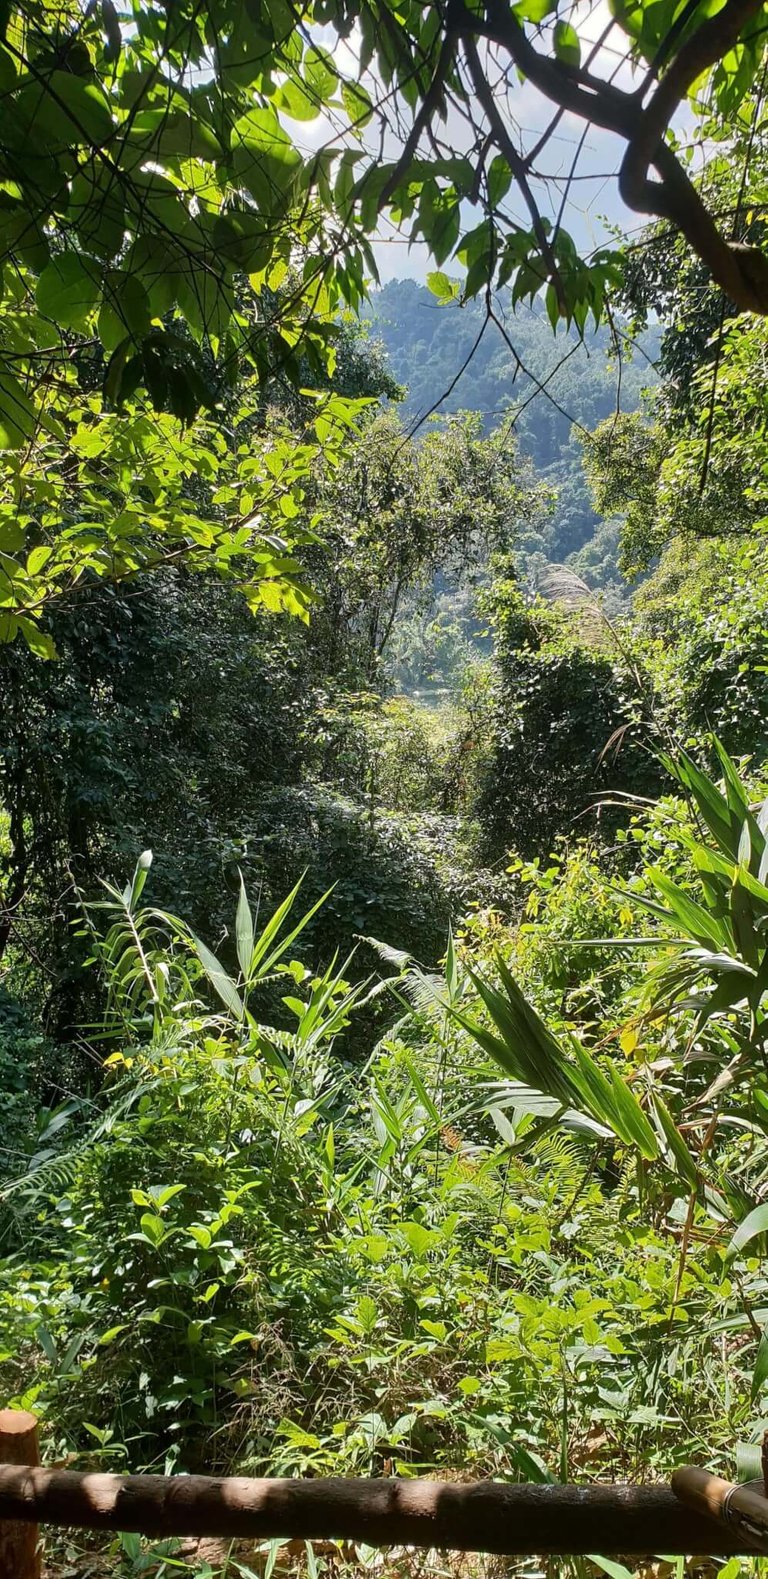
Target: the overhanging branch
(741, 271)
(515, 161)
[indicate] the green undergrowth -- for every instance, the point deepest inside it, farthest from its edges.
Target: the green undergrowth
(518, 1239)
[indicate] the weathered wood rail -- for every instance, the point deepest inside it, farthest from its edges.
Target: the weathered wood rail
(480, 1517)
(483, 1516)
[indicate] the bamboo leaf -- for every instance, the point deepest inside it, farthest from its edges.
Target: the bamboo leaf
(244, 930)
(140, 877)
(635, 1127)
(527, 1050)
(692, 917)
(756, 1222)
(714, 808)
(221, 982)
(451, 966)
(760, 1373)
(751, 835)
(686, 1166)
(272, 927)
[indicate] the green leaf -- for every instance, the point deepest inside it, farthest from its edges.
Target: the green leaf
(38, 641)
(171, 136)
(268, 963)
(418, 1238)
(111, 1333)
(87, 107)
(423, 1095)
(743, 923)
(357, 103)
(154, 201)
(97, 211)
(760, 1373)
(111, 24)
(220, 981)
(632, 1123)
(63, 111)
(241, 237)
(753, 886)
(503, 1126)
(153, 1227)
(451, 966)
(531, 1465)
(714, 808)
(534, 10)
(499, 178)
(566, 44)
(293, 101)
(609, 1566)
(611, 1102)
(265, 159)
(126, 313)
(201, 1235)
(17, 414)
(68, 290)
(206, 300)
(443, 230)
(442, 286)
(686, 1166)
(296, 1435)
(136, 889)
(755, 1223)
(12, 539)
(529, 1052)
(692, 918)
(367, 1313)
(320, 72)
(244, 930)
(736, 794)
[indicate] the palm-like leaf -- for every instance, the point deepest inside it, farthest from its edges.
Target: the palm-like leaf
(526, 1049)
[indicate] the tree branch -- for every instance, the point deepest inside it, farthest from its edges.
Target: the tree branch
(516, 163)
(427, 108)
(708, 44)
(741, 271)
(568, 86)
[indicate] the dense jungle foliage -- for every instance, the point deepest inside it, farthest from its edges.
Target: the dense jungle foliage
(383, 751)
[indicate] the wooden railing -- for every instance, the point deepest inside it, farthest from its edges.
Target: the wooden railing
(697, 1517)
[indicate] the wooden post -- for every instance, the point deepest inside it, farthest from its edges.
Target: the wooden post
(19, 1542)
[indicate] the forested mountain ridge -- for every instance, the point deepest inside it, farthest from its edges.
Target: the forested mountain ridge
(545, 389)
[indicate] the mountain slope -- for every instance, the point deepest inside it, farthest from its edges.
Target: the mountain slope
(547, 387)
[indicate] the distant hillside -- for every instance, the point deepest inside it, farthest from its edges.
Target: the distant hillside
(428, 344)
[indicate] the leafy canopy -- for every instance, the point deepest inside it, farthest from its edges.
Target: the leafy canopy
(188, 197)
(152, 159)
